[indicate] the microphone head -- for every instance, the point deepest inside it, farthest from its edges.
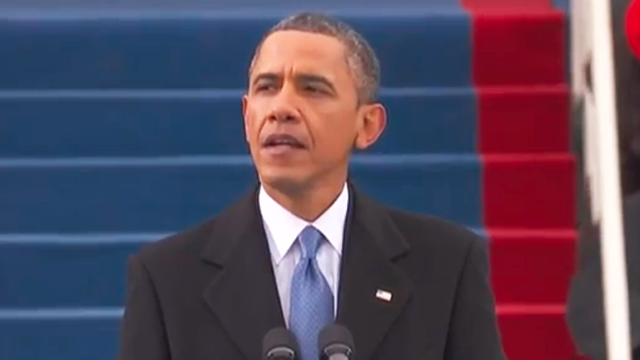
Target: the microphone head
(335, 340)
(279, 344)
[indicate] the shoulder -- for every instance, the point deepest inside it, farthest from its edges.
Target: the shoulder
(631, 209)
(441, 254)
(438, 245)
(218, 233)
(179, 248)
(425, 231)
(632, 204)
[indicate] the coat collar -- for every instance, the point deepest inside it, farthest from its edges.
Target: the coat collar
(244, 296)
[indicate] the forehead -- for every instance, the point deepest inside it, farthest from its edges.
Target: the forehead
(285, 51)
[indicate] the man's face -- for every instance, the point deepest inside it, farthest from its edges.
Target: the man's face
(301, 111)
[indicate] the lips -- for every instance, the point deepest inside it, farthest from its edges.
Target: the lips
(282, 140)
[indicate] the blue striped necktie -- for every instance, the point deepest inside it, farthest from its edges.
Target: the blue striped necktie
(311, 297)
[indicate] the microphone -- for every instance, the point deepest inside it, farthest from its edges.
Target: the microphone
(279, 344)
(335, 342)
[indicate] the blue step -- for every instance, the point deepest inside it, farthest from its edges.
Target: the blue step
(219, 5)
(121, 123)
(49, 264)
(58, 339)
(62, 272)
(164, 195)
(212, 50)
(196, 123)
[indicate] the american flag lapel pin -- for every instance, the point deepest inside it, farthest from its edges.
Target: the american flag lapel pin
(384, 295)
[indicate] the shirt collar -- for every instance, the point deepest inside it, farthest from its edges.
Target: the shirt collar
(284, 227)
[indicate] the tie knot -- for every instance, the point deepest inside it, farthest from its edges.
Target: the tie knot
(310, 239)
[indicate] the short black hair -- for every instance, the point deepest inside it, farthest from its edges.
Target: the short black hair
(361, 57)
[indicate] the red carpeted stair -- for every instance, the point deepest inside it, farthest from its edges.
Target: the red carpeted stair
(528, 191)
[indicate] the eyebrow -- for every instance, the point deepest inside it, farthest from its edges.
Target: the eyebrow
(270, 77)
(312, 78)
(304, 78)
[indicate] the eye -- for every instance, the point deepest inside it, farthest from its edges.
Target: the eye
(313, 89)
(265, 87)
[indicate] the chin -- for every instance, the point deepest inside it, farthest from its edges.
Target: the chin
(284, 181)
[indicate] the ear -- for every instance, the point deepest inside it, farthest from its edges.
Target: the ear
(373, 120)
(245, 105)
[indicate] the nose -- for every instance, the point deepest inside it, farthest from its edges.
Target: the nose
(283, 107)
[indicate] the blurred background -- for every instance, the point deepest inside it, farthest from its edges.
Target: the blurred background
(120, 123)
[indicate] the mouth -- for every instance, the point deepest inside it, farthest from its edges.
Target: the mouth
(282, 141)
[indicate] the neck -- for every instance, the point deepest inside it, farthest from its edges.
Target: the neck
(309, 203)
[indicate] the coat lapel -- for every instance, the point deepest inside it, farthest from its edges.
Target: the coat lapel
(373, 290)
(243, 296)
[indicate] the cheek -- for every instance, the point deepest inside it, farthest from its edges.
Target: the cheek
(335, 136)
(252, 123)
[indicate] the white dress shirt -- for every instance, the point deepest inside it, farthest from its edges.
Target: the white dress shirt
(282, 229)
